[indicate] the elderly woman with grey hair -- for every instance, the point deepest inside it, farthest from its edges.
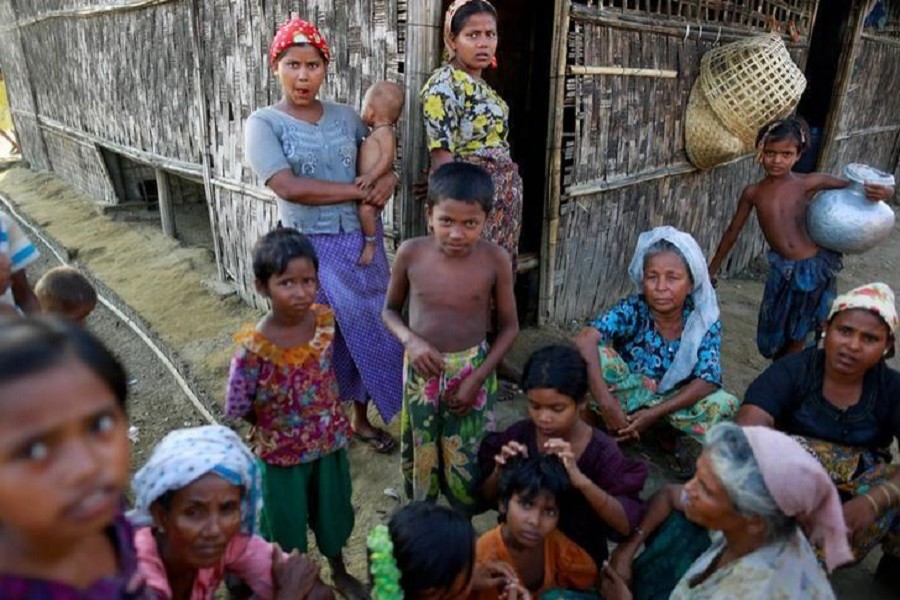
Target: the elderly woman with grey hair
(758, 491)
(655, 356)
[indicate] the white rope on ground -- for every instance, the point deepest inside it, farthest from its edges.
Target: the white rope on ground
(179, 379)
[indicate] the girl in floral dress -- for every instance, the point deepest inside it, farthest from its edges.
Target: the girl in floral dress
(283, 383)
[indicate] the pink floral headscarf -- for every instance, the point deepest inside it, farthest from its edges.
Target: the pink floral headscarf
(802, 489)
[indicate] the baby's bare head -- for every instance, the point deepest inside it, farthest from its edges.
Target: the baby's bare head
(382, 103)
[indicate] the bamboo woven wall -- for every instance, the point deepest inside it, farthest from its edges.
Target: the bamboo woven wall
(868, 126)
(15, 71)
(363, 39)
(122, 76)
(624, 165)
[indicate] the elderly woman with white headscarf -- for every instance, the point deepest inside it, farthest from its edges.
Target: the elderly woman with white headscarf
(654, 356)
(842, 403)
(764, 499)
(197, 503)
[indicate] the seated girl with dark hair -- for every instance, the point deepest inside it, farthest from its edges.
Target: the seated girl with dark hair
(545, 561)
(603, 498)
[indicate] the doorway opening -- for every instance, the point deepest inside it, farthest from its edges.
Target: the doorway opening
(822, 64)
(522, 79)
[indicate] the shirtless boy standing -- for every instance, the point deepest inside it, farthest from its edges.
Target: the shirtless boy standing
(381, 109)
(450, 279)
(802, 276)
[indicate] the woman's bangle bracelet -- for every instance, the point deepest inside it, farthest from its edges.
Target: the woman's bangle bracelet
(894, 487)
(370, 239)
(887, 494)
(873, 503)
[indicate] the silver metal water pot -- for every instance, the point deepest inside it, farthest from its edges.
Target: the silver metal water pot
(845, 220)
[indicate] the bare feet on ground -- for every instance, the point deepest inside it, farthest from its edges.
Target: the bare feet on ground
(349, 586)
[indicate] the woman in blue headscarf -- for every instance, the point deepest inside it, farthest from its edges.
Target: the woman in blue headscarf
(654, 356)
(197, 503)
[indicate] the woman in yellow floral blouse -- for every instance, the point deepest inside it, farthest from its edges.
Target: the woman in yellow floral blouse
(465, 119)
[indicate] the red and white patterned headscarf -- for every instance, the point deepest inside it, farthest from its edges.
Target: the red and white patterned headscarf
(297, 31)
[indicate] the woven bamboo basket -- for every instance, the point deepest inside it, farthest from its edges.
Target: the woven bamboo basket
(707, 141)
(751, 82)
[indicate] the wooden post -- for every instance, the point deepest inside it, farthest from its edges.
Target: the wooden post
(423, 36)
(549, 237)
(166, 210)
(203, 99)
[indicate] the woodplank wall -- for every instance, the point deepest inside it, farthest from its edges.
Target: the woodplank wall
(868, 124)
(624, 165)
(363, 38)
(134, 77)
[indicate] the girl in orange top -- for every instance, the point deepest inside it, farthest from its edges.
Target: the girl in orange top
(545, 561)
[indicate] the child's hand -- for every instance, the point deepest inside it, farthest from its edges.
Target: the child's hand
(877, 193)
(621, 561)
(492, 576)
(425, 358)
(293, 575)
(563, 450)
(515, 591)
(510, 450)
(463, 398)
(612, 586)
(382, 190)
(365, 182)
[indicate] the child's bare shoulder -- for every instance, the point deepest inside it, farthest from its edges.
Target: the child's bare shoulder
(415, 248)
(497, 255)
(751, 192)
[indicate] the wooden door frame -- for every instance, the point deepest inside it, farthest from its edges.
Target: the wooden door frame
(422, 57)
(553, 190)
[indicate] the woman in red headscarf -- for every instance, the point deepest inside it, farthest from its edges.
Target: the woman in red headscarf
(305, 149)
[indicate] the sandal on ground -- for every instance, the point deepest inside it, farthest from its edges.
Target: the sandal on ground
(381, 442)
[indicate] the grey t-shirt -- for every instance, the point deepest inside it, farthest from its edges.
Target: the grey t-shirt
(275, 141)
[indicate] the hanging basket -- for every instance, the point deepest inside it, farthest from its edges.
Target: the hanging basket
(707, 141)
(751, 82)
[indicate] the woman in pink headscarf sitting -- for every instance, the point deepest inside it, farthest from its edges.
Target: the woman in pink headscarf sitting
(842, 403)
(762, 497)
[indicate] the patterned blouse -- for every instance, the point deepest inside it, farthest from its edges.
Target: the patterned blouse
(630, 328)
(462, 114)
(783, 569)
(292, 392)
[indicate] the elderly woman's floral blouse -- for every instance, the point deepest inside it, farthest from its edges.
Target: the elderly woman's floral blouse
(291, 392)
(629, 328)
(463, 115)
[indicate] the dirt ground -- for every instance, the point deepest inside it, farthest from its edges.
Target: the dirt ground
(161, 284)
